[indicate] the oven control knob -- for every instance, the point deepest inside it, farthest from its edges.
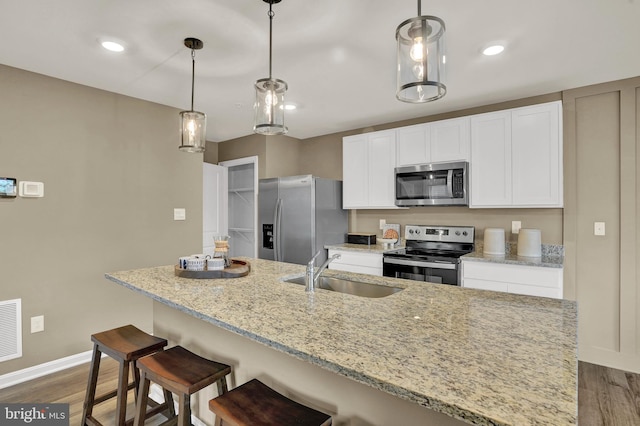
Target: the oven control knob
(411, 231)
(417, 231)
(458, 233)
(464, 233)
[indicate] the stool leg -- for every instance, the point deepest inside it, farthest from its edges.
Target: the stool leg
(91, 385)
(222, 389)
(123, 388)
(168, 399)
(184, 415)
(141, 403)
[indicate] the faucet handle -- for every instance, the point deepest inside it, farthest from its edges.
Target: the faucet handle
(315, 256)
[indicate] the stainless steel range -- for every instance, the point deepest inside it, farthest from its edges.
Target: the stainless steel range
(432, 254)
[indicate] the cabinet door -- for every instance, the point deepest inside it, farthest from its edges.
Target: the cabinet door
(382, 161)
(491, 160)
(355, 171)
(450, 140)
(412, 145)
(537, 156)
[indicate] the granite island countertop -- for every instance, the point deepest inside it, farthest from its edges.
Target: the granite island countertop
(487, 358)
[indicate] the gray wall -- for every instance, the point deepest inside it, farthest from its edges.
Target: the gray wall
(112, 174)
(602, 184)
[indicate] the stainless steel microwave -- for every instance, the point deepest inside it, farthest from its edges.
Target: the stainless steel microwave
(433, 184)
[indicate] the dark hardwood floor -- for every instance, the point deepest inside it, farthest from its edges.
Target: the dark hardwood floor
(606, 397)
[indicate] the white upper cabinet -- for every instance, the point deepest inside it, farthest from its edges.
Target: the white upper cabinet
(368, 163)
(537, 156)
(516, 157)
(446, 140)
(491, 159)
(413, 145)
(450, 140)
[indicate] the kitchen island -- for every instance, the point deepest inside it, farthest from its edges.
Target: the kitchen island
(428, 354)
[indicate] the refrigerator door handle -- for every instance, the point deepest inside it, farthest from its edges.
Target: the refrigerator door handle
(277, 218)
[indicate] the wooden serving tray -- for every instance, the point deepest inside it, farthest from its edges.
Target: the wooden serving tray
(238, 268)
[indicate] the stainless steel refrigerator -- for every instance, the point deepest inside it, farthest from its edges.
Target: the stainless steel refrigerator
(297, 216)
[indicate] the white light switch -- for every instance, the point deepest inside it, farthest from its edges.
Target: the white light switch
(383, 222)
(515, 226)
(179, 214)
(598, 228)
(37, 324)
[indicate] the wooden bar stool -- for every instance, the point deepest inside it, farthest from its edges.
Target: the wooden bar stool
(182, 372)
(256, 404)
(126, 345)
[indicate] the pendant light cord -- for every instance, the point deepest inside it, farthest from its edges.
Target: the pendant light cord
(419, 7)
(270, 35)
(193, 74)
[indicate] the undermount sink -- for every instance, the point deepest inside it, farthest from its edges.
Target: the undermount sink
(356, 288)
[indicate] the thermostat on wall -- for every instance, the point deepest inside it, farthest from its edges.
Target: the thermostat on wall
(31, 189)
(7, 187)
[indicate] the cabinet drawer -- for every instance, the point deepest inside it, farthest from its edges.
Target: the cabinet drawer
(356, 268)
(531, 290)
(516, 274)
(485, 285)
(371, 260)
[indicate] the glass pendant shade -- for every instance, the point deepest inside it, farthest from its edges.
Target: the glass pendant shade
(193, 126)
(421, 59)
(269, 107)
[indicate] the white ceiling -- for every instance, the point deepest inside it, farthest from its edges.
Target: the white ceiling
(338, 56)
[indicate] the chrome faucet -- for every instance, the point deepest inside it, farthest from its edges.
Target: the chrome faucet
(312, 277)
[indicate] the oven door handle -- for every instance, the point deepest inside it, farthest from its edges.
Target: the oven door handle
(418, 263)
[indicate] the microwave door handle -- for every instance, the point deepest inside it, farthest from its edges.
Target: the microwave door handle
(450, 182)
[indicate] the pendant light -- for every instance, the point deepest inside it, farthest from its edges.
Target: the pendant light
(269, 106)
(421, 59)
(193, 124)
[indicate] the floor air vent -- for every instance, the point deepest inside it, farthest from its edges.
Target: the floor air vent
(10, 329)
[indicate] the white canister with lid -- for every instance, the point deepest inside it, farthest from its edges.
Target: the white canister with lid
(529, 243)
(494, 242)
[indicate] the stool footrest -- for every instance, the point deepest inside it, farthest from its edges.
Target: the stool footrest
(109, 395)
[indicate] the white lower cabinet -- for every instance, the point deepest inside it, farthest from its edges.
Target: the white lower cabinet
(356, 261)
(518, 279)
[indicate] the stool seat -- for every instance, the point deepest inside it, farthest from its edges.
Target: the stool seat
(128, 343)
(125, 345)
(256, 404)
(182, 372)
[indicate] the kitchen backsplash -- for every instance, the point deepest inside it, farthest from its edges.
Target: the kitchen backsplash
(549, 221)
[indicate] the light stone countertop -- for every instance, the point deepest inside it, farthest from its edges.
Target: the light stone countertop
(363, 248)
(487, 358)
(552, 256)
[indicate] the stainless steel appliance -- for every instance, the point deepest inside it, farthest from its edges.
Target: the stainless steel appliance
(432, 254)
(297, 216)
(433, 184)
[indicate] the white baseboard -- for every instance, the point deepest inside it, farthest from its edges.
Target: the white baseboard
(30, 373)
(26, 374)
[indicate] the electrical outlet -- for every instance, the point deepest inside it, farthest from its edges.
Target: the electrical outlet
(515, 226)
(383, 222)
(598, 228)
(179, 214)
(37, 324)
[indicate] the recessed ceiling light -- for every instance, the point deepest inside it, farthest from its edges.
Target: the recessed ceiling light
(493, 50)
(112, 46)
